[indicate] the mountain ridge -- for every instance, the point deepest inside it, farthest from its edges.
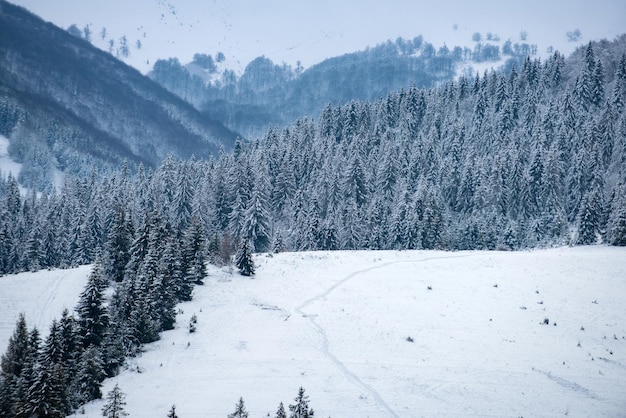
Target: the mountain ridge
(78, 106)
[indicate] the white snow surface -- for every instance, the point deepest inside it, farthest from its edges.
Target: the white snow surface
(40, 296)
(337, 323)
(7, 165)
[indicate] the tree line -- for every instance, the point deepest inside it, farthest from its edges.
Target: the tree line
(534, 157)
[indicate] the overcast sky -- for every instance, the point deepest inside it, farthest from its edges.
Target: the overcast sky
(311, 30)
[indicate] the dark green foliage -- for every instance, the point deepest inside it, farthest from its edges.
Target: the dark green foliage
(280, 412)
(86, 385)
(27, 379)
(13, 360)
(114, 407)
(301, 408)
(194, 257)
(616, 227)
(12, 365)
(47, 396)
(117, 250)
(589, 219)
(113, 349)
(240, 410)
(243, 259)
(93, 317)
(172, 412)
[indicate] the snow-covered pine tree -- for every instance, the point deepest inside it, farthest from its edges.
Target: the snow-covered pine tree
(114, 407)
(143, 322)
(243, 259)
(193, 257)
(93, 318)
(181, 209)
(616, 226)
(279, 243)
(588, 219)
(113, 350)
(47, 396)
(280, 412)
(301, 408)
(240, 410)
(27, 378)
(11, 366)
(172, 412)
(86, 385)
(256, 227)
(116, 252)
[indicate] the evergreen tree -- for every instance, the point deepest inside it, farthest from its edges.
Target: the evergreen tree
(17, 350)
(143, 322)
(279, 243)
(163, 299)
(194, 256)
(240, 410)
(171, 266)
(11, 366)
(71, 346)
(86, 385)
(243, 259)
(172, 412)
(93, 318)
(114, 407)
(280, 412)
(47, 396)
(355, 185)
(301, 408)
(118, 244)
(589, 219)
(27, 378)
(112, 349)
(183, 197)
(616, 227)
(256, 221)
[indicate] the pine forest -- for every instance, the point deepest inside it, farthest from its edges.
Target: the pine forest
(530, 157)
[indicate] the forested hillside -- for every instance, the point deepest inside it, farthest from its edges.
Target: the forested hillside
(67, 105)
(530, 158)
(277, 94)
(533, 158)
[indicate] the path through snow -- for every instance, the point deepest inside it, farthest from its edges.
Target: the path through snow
(324, 337)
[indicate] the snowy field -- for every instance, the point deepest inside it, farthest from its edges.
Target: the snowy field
(338, 323)
(41, 296)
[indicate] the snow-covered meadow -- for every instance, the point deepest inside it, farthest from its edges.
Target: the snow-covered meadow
(339, 324)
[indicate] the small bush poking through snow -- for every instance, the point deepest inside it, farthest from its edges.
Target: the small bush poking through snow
(192, 323)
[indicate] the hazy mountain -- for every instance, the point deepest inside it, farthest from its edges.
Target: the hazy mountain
(267, 93)
(68, 105)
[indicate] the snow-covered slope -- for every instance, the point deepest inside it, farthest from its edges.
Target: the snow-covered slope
(337, 323)
(41, 296)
